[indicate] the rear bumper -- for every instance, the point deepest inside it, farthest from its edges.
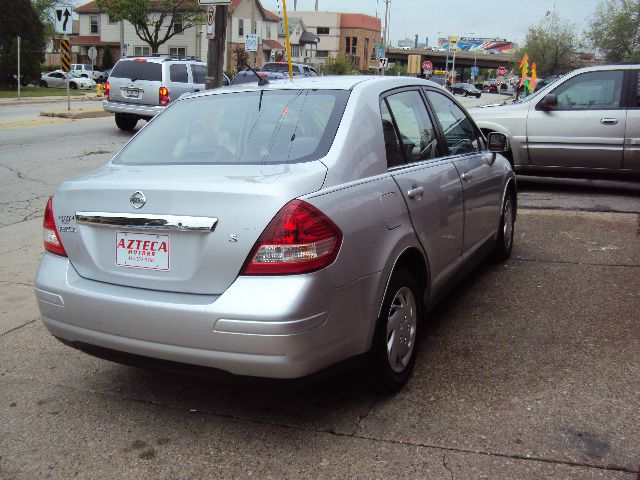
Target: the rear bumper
(275, 327)
(132, 108)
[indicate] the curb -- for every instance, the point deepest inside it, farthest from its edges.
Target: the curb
(75, 114)
(57, 99)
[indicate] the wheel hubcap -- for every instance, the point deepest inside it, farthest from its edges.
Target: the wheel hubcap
(401, 329)
(507, 228)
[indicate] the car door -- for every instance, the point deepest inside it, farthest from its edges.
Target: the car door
(178, 80)
(482, 181)
(631, 159)
(429, 182)
(58, 80)
(586, 128)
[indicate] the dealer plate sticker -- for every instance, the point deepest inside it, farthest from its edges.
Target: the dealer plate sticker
(142, 250)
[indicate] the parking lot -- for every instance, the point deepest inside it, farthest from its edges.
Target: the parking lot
(528, 369)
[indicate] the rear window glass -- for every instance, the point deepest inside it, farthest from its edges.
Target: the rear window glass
(137, 70)
(261, 127)
(277, 67)
(242, 77)
(178, 73)
(198, 72)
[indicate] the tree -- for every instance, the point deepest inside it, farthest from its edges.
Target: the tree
(46, 12)
(615, 31)
(241, 57)
(107, 59)
(155, 21)
(553, 45)
(21, 19)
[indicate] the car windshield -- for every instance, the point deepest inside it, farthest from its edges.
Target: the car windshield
(468, 85)
(258, 127)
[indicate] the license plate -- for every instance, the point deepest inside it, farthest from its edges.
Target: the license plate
(142, 250)
(132, 93)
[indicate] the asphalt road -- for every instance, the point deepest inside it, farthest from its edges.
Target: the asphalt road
(529, 369)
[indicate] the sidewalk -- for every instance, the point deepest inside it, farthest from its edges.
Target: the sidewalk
(89, 96)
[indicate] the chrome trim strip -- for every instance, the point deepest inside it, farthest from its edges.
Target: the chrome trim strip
(265, 328)
(146, 221)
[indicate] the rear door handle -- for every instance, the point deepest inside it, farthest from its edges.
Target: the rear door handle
(609, 121)
(415, 192)
(466, 176)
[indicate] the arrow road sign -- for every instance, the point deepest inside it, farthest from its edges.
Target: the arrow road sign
(63, 19)
(383, 62)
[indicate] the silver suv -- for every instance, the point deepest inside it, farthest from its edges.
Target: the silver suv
(141, 87)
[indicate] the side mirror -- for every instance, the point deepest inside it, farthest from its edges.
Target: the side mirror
(498, 142)
(549, 102)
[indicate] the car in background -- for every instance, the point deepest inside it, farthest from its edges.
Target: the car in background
(585, 123)
(276, 231)
(141, 87)
(299, 69)
(58, 79)
(247, 76)
(85, 70)
(465, 89)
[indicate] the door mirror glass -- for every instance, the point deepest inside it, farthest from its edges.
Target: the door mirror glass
(498, 142)
(549, 102)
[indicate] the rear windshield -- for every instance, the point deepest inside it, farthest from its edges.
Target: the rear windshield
(260, 127)
(133, 70)
(277, 67)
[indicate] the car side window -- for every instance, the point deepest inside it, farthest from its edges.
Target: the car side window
(591, 91)
(198, 72)
(178, 73)
(459, 131)
(413, 136)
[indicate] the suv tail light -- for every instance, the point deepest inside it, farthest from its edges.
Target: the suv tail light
(164, 96)
(299, 239)
(52, 241)
(107, 91)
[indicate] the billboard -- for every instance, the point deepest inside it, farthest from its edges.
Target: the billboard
(498, 45)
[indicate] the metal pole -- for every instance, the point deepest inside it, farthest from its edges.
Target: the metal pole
(446, 64)
(66, 37)
(121, 38)
(18, 67)
(385, 37)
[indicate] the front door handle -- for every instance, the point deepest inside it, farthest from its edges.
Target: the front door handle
(609, 121)
(415, 192)
(466, 176)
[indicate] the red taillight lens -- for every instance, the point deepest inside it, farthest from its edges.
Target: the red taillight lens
(107, 91)
(164, 96)
(299, 239)
(52, 241)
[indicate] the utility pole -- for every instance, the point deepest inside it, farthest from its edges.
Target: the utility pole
(18, 67)
(215, 53)
(385, 32)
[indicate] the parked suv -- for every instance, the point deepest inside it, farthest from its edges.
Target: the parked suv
(283, 67)
(141, 87)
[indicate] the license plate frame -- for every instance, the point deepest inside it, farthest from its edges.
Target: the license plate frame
(133, 93)
(146, 251)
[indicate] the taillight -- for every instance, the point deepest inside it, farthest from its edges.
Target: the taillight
(107, 91)
(164, 96)
(299, 239)
(52, 241)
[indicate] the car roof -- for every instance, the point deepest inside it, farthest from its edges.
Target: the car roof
(599, 68)
(163, 59)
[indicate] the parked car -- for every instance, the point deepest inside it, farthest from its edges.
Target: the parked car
(58, 79)
(587, 122)
(465, 89)
(85, 70)
(299, 69)
(247, 76)
(141, 87)
(276, 231)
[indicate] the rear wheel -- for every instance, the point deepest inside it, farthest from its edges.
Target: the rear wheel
(73, 86)
(126, 122)
(43, 84)
(394, 345)
(504, 244)
(466, 94)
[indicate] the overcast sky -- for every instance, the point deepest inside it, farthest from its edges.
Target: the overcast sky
(483, 18)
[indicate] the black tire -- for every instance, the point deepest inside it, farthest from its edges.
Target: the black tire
(126, 122)
(43, 84)
(466, 94)
(504, 242)
(381, 374)
(73, 86)
(478, 95)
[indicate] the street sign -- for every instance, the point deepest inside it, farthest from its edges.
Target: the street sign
(475, 71)
(251, 43)
(211, 15)
(92, 53)
(427, 66)
(214, 2)
(501, 71)
(65, 55)
(383, 62)
(380, 52)
(63, 19)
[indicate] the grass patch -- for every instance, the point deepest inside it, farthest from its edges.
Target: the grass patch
(38, 92)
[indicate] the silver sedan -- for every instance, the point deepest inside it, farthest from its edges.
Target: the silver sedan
(58, 79)
(278, 230)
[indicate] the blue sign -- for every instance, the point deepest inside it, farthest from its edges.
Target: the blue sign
(380, 53)
(475, 71)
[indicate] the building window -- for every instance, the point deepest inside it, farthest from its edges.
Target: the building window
(141, 51)
(111, 20)
(268, 30)
(177, 24)
(254, 27)
(240, 27)
(93, 24)
(322, 53)
(295, 51)
(351, 45)
(322, 30)
(177, 51)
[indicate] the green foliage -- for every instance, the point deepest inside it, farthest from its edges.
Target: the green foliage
(615, 31)
(396, 70)
(46, 12)
(21, 19)
(553, 45)
(154, 20)
(107, 59)
(48, 68)
(338, 65)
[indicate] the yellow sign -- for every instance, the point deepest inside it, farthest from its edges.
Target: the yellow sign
(65, 55)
